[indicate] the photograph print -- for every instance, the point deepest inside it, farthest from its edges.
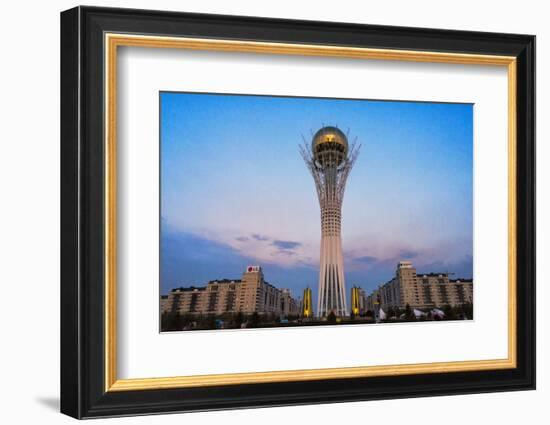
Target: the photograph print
(280, 211)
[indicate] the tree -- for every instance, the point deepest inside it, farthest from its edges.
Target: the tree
(449, 312)
(172, 321)
(254, 320)
(165, 322)
(239, 319)
(464, 311)
(186, 320)
(409, 313)
(210, 321)
(468, 310)
(331, 318)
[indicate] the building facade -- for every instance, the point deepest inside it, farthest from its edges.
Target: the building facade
(373, 301)
(289, 305)
(358, 301)
(250, 294)
(307, 304)
(330, 160)
(421, 291)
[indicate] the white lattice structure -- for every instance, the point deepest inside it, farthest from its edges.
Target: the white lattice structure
(330, 160)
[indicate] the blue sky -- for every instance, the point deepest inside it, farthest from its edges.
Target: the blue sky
(235, 190)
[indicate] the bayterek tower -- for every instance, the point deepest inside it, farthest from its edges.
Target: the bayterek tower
(330, 160)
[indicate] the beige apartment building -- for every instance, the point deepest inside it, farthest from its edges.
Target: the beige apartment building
(421, 290)
(373, 300)
(289, 305)
(247, 295)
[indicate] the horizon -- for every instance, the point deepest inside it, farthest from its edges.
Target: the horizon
(238, 279)
(235, 190)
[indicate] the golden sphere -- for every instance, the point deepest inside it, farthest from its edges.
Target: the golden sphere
(329, 146)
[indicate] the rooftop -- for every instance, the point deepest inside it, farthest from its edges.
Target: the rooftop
(189, 289)
(222, 281)
(433, 274)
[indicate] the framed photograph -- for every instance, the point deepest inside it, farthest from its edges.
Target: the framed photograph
(261, 212)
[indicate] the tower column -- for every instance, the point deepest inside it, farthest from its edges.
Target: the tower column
(330, 160)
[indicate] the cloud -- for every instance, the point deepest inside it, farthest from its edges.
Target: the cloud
(264, 249)
(286, 248)
(381, 259)
(259, 237)
(286, 245)
(189, 259)
(283, 252)
(367, 259)
(462, 268)
(407, 253)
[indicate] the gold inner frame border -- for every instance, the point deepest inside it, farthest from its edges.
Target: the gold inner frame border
(113, 40)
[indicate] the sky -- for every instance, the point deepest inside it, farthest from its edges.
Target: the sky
(236, 192)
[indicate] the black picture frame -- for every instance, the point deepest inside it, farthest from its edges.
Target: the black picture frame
(83, 392)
